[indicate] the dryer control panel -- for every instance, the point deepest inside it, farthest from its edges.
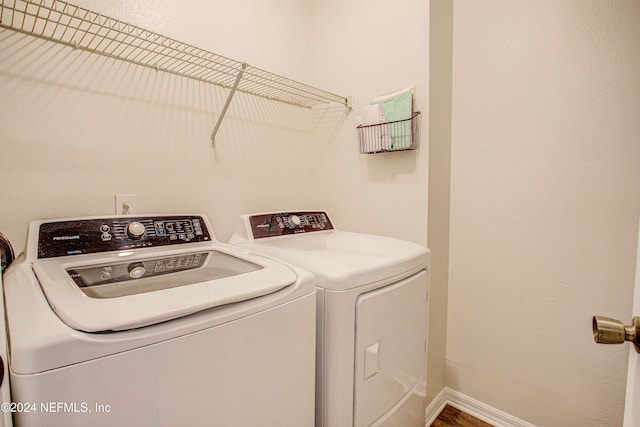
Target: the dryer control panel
(285, 223)
(93, 235)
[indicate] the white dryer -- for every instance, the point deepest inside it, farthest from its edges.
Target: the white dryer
(149, 321)
(372, 315)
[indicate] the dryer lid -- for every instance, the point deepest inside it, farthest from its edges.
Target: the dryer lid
(343, 260)
(100, 293)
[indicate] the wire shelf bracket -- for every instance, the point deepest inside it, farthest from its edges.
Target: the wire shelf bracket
(226, 104)
(70, 25)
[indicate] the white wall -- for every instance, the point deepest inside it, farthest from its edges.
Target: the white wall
(77, 128)
(359, 49)
(544, 204)
(440, 74)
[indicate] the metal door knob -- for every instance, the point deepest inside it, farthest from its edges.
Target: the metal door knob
(612, 331)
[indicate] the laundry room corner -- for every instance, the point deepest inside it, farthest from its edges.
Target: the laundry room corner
(520, 176)
(80, 128)
(440, 75)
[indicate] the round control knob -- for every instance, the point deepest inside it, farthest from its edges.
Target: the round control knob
(136, 230)
(295, 220)
(136, 270)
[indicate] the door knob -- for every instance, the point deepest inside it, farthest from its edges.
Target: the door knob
(612, 331)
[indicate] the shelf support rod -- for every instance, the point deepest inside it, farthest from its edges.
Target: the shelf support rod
(226, 104)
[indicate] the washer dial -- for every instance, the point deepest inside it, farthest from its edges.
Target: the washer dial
(136, 230)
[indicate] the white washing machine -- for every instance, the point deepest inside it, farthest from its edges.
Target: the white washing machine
(149, 321)
(5, 395)
(372, 315)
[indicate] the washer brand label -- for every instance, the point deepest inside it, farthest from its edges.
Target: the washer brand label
(74, 237)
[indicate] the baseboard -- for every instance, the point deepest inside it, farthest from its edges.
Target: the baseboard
(436, 406)
(473, 407)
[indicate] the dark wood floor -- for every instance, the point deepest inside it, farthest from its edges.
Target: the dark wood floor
(452, 417)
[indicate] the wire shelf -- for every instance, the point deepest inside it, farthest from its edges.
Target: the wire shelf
(80, 28)
(399, 135)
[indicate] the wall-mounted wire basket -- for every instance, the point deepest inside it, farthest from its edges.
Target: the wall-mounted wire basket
(399, 135)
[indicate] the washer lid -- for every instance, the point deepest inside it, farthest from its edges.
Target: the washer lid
(343, 260)
(101, 293)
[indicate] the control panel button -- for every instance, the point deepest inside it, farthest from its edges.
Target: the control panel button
(136, 230)
(136, 270)
(106, 273)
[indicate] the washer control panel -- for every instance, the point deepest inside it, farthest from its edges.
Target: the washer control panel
(85, 236)
(285, 223)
